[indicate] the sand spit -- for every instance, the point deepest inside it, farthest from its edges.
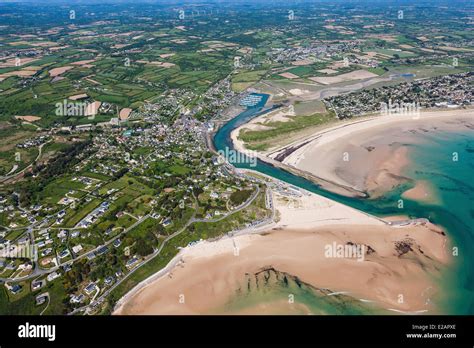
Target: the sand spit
(398, 269)
(396, 261)
(422, 191)
(370, 155)
(366, 155)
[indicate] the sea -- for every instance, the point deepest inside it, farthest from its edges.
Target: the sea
(443, 159)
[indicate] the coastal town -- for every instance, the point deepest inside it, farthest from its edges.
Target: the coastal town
(445, 92)
(104, 206)
(130, 140)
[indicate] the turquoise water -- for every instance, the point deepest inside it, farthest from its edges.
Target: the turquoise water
(453, 183)
(268, 293)
(432, 160)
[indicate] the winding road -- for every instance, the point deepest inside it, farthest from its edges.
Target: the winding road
(157, 252)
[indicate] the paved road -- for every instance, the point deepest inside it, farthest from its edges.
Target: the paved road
(49, 301)
(40, 271)
(37, 271)
(174, 261)
(40, 150)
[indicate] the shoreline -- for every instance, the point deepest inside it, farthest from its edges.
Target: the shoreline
(319, 157)
(178, 259)
(211, 270)
(294, 221)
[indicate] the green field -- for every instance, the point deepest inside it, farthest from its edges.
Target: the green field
(264, 139)
(75, 215)
(195, 232)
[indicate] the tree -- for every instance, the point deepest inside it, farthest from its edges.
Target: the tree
(143, 248)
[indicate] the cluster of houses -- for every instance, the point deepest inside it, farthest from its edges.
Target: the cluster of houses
(89, 290)
(94, 215)
(450, 91)
(167, 106)
(216, 98)
(317, 49)
(109, 159)
(34, 142)
(16, 216)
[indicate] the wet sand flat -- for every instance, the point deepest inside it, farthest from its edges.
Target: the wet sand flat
(203, 284)
(371, 154)
(398, 260)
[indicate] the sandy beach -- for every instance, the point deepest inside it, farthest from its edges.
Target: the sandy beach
(401, 263)
(397, 261)
(422, 191)
(367, 154)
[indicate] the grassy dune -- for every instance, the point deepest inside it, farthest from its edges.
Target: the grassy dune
(281, 131)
